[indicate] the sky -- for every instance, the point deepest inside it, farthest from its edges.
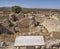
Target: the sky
(50, 4)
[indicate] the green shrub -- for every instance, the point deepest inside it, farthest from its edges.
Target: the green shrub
(16, 9)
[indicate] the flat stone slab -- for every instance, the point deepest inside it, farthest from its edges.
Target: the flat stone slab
(29, 41)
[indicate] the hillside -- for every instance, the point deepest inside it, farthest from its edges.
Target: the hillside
(39, 22)
(30, 23)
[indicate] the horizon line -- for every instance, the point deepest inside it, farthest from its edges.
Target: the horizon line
(30, 7)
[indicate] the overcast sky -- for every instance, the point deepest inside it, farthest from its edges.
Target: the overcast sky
(51, 4)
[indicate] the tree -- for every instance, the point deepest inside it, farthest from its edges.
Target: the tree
(16, 9)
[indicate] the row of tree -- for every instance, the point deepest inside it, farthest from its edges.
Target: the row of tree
(18, 9)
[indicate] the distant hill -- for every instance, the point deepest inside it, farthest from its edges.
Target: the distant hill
(5, 8)
(38, 9)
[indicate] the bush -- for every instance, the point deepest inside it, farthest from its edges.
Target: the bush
(16, 9)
